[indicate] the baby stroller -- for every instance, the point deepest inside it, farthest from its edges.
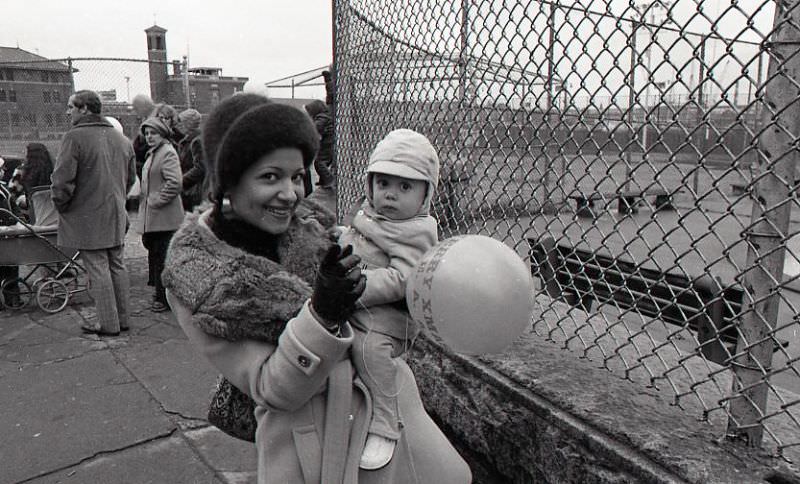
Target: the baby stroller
(53, 273)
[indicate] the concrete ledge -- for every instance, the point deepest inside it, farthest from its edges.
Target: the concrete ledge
(540, 413)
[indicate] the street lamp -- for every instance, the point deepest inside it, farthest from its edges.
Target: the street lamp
(128, 86)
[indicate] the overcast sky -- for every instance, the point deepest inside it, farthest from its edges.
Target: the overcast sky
(261, 39)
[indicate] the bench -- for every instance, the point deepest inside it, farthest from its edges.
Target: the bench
(584, 204)
(628, 201)
(580, 278)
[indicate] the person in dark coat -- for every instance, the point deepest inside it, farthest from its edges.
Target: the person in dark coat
(190, 152)
(93, 174)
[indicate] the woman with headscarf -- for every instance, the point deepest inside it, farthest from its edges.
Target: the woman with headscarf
(160, 210)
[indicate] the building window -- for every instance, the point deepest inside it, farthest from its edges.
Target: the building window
(2, 95)
(46, 97)
(56, 97)
(9, 75)
(12, 96)
(30, 119)
(15, 119)
(45, 77)
(48, 120)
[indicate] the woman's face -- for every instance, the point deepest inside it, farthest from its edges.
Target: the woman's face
(151, 136)
(268, 192)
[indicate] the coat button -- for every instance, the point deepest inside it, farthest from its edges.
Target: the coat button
(303, 361)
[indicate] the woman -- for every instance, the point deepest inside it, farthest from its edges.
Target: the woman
(260, 262)
(160, 210)
(37, 167)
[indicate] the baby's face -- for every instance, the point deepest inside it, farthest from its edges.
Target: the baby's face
(397, 198)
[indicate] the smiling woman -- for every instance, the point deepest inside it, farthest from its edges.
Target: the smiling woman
(261, 290)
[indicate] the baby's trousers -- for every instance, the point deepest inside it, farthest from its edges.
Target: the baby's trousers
(374, 358)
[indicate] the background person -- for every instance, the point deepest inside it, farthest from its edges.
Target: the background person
(92, 175)
(160, 210)
(240, 279)
(190, 152)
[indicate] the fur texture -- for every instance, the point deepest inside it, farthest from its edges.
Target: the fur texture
(237, 295)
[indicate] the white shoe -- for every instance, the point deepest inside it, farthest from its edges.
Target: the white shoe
(378, 451)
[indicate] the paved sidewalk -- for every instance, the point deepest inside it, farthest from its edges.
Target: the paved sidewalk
(76, 408)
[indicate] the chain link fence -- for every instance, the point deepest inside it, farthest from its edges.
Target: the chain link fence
(640, 154)
(34, 96)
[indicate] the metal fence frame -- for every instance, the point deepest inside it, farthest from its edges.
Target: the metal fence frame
(509, 168)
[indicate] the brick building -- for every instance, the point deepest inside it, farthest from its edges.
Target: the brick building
(206, 85)
(33, 96)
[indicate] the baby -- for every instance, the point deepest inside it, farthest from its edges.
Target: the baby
(390, 232)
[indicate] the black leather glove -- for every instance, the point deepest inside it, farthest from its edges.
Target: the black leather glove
(338, 285)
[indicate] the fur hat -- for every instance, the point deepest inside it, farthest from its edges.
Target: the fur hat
(257, 132)
(157, 125)
(190, 118)
(220, 119)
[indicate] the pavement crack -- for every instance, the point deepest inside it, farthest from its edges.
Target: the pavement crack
(161, 436)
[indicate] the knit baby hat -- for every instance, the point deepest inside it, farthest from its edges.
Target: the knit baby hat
(190, 118)
(257, 132)
(157, 125)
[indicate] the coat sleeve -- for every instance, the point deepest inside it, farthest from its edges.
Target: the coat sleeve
(64, 174)
(197, 172)
(131, 168)
(283, 376)
(171, 174)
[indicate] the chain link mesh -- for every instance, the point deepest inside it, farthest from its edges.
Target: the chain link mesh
(34, 96)
(632, 134)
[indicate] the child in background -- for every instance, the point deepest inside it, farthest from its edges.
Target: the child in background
(390, 232)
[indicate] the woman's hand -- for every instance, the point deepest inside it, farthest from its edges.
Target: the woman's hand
(338, 286)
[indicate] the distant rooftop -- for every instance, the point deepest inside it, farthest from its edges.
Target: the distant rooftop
(16, 57)
(208, 71)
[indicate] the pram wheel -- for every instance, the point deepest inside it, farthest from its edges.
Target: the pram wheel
(52, 295)
(15, 293)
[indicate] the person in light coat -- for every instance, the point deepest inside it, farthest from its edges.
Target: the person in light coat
(160, 209)
(262, 291)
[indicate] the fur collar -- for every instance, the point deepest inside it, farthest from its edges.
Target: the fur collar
(238, 295)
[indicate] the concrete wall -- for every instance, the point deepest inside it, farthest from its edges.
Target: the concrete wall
(541, 414)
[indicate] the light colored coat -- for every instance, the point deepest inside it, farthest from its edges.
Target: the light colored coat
(312, 411)
(389, 251)
(94, 170)
(160, 207)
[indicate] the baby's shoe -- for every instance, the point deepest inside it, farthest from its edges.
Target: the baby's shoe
(378, 451)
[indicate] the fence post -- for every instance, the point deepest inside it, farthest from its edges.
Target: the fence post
(631, 81)
(701, 134)
(768, 230)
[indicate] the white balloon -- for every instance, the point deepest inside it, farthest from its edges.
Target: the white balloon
(471, 293)
(256, 86)
(115, 123)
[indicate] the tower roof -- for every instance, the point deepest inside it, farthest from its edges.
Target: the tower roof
(155, 28)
